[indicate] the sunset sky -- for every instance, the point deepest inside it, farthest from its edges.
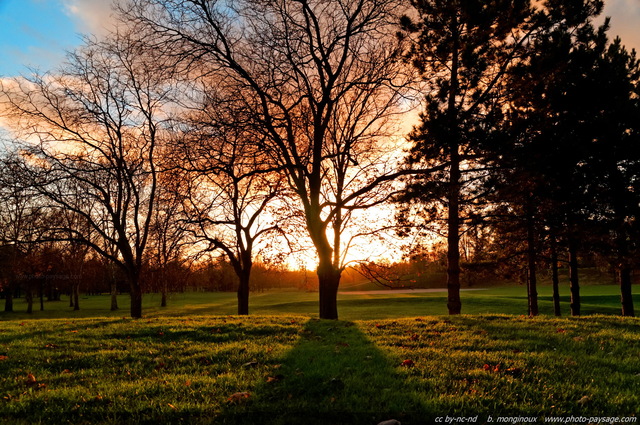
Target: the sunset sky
(37, 33)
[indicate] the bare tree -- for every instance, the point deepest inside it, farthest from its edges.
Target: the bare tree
(169, 236)
(74, 252)
(94, 129)
(233, 189)
(323, 83)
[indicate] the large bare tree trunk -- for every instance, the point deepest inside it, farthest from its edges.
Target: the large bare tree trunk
(136, 297)
(243, 293)
(136, 300)
(328, 281)
(328, 273)
(8, 301)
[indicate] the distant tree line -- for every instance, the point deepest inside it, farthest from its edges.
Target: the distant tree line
(204, 139)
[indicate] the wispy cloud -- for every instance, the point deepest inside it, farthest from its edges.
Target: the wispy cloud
(91, 16)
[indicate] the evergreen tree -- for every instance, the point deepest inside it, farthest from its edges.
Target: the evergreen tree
(464, 49)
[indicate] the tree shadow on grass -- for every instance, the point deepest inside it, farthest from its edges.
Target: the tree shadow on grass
(334, 375)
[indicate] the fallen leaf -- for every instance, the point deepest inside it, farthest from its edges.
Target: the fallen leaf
(486, 367)
(4, 358)
(238, 397)
(390, 422)
(560, 331)
(187, 384)
(31, 380)
(513, 371)
(171, 406)
(408, 363)
(496, 368)
(274, 379)
(584, 400)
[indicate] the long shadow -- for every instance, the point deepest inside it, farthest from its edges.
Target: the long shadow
(39, 329)
(334, 375)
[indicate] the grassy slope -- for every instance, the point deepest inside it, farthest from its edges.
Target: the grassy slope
(173, 370)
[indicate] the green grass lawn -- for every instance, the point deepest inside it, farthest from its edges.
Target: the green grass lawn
(391, 356)
(596, 299)
(292, 369)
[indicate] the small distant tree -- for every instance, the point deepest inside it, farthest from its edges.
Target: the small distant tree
(169, 233)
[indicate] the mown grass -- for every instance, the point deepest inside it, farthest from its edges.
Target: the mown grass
(125, 371)
(600, 299)
(524, 367)
(292, 369)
